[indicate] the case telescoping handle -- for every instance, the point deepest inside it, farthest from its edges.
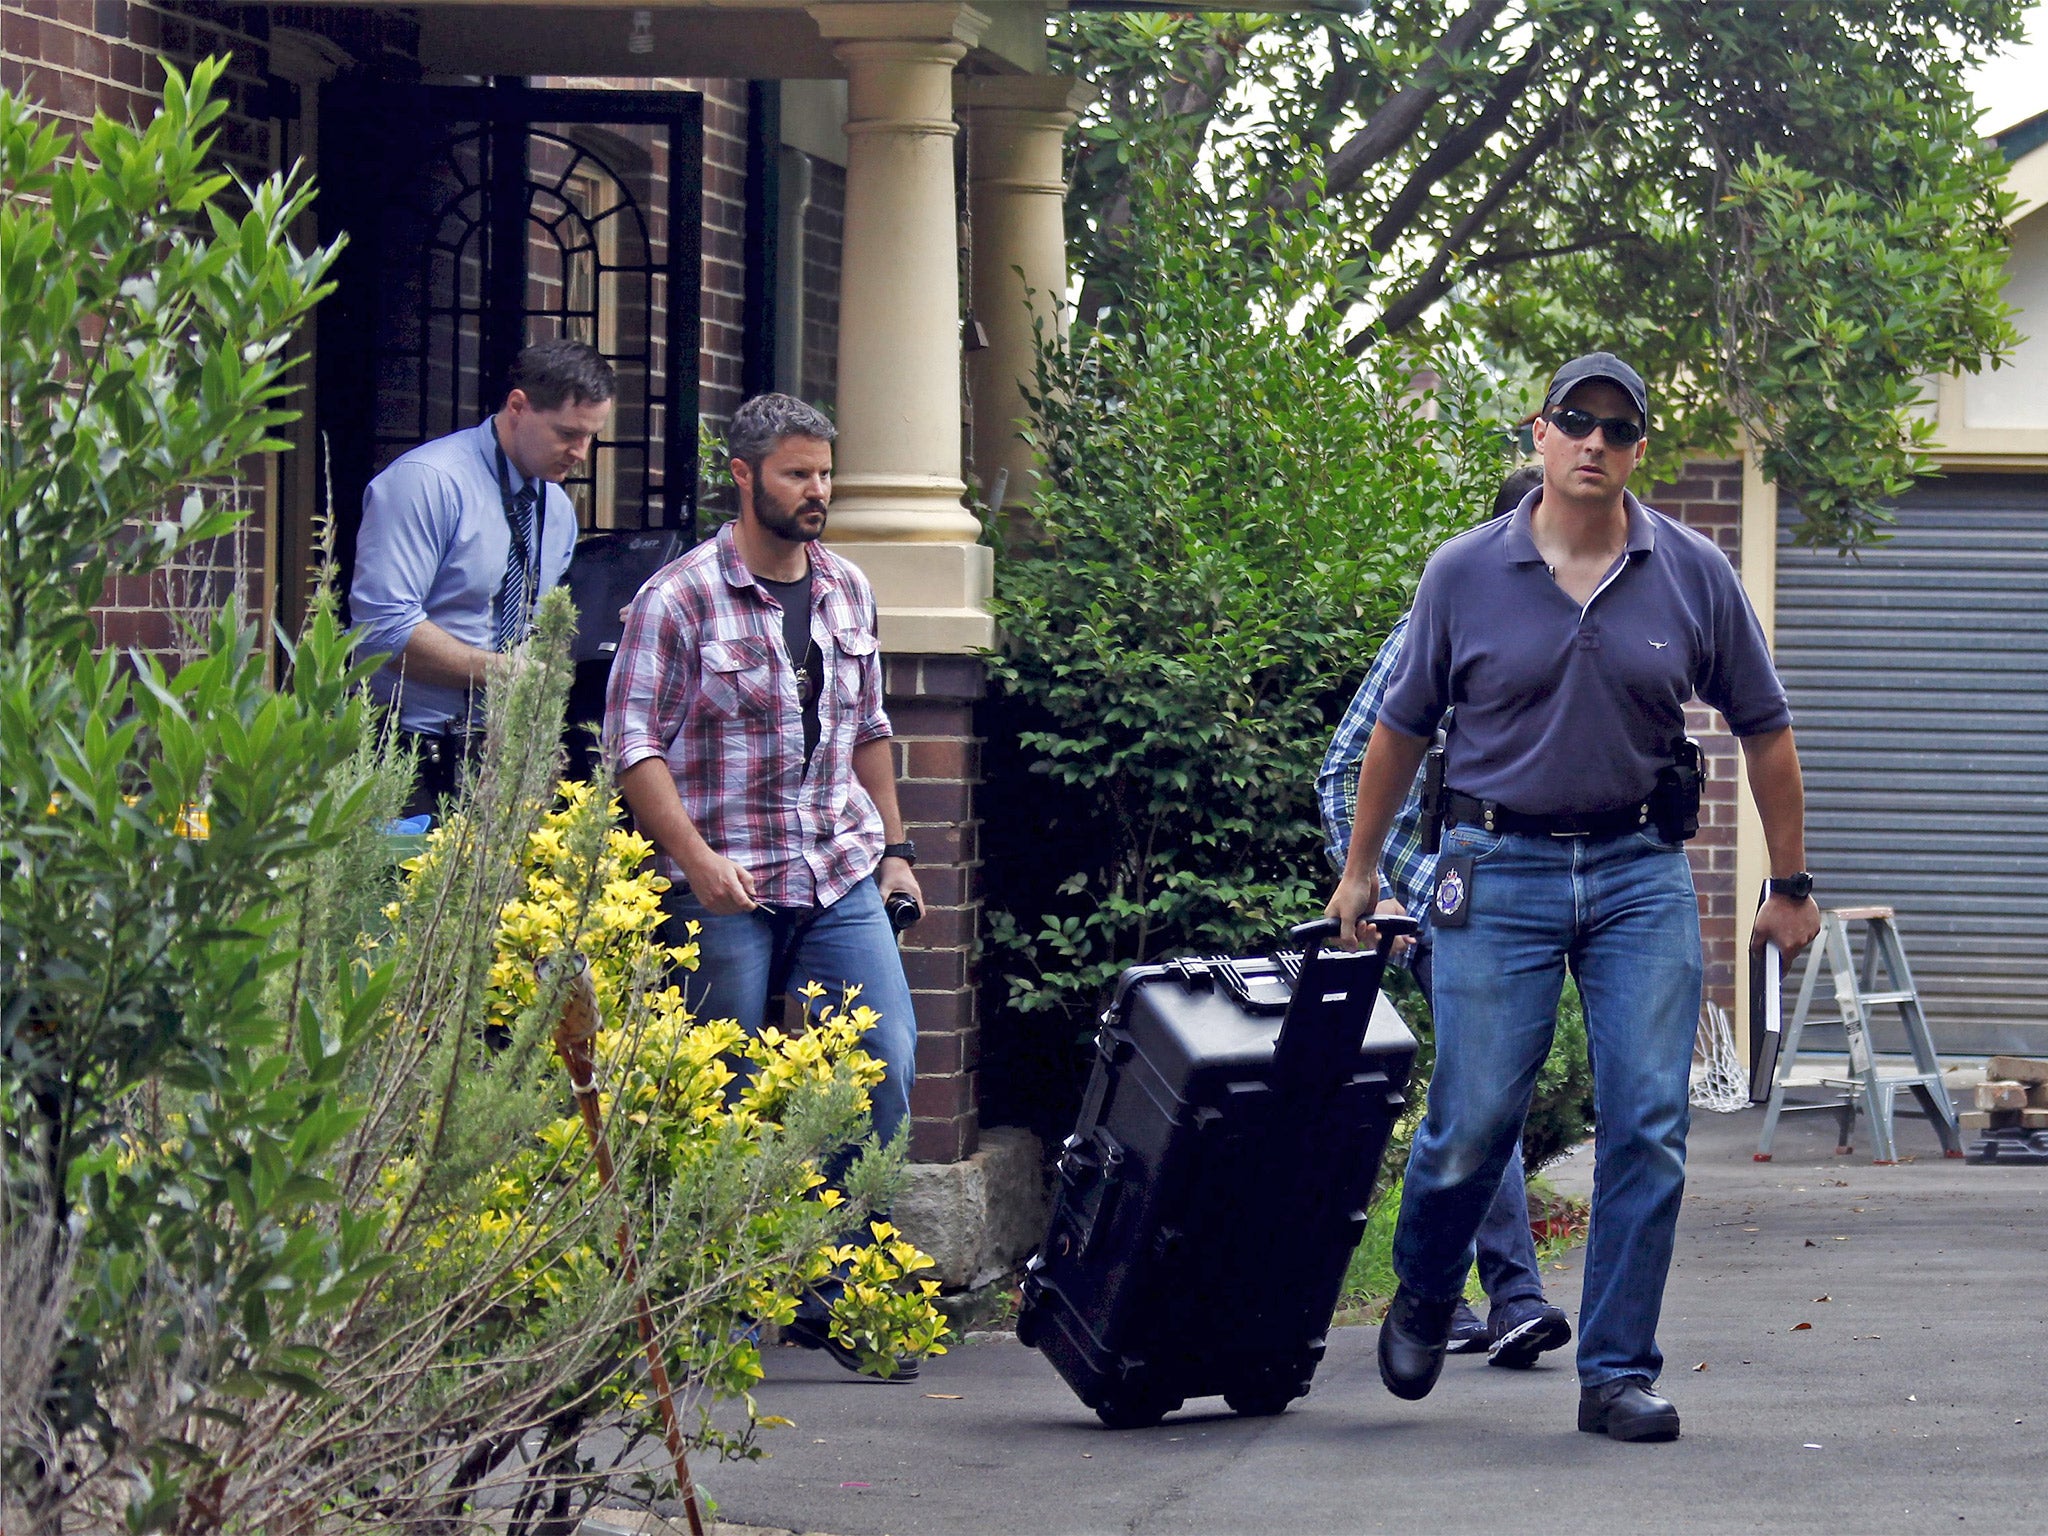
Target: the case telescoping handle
(1313, 934)
(1310, 936)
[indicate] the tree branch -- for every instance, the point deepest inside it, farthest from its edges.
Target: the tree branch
(1493, 260)
(1398, 117)
(1436, 279)
(1453, 150)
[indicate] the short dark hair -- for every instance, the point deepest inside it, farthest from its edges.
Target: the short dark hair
(766, 420)
(552, 373)
(1519, 483)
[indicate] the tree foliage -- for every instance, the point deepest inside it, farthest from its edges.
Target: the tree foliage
(1782, 214)
(1232, 510)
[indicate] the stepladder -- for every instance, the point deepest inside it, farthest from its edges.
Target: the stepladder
(1880, 978)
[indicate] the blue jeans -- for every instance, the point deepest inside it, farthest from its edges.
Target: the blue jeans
(1621, 913)
(1507, 1248)
(850, 942)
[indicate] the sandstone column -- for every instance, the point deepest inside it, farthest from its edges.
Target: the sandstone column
(1016, 188)
(897, 509)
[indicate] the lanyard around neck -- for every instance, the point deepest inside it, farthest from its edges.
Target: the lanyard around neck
(529, 559)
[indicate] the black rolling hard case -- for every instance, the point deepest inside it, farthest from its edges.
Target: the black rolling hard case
(1210, 1198)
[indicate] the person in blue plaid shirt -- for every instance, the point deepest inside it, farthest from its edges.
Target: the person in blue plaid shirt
(1521, 1323)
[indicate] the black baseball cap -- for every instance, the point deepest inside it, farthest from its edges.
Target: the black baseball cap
(1603, 366)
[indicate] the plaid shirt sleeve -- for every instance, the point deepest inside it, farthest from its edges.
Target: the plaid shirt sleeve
(1406, 869)
(652, 673)
(874, 719)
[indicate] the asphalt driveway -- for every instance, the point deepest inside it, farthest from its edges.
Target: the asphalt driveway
(1914, 1398)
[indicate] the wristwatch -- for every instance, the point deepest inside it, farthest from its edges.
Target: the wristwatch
(905, 850)
(1794, 887)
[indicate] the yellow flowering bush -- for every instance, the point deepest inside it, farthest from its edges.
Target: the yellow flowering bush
(719, 1138)
(877, 1312)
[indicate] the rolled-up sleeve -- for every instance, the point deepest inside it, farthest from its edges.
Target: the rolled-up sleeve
(653, 677)
(409, 524)
(1337, 784)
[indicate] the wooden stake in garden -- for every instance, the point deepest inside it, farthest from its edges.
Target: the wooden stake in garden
(575, 1034)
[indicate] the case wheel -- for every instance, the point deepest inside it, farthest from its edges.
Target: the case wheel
(1259, 1402)
(1139, 1412)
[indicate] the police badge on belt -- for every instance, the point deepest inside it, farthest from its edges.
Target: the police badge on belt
(1451, 903)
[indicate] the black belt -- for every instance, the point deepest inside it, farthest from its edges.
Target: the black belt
(1463, 810)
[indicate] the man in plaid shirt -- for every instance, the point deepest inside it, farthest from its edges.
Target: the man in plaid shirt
(1522, 1323)
(745, 723)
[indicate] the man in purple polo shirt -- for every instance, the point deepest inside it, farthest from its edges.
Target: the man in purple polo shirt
(1569, 635)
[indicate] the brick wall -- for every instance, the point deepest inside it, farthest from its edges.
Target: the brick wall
(824, 237)
(77, 57)
(1708, 497)
(938, 765)
(725, 225)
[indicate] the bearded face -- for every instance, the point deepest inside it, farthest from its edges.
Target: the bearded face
(791, 488)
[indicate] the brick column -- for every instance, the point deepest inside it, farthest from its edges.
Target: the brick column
(938, 764)
(1708, 499)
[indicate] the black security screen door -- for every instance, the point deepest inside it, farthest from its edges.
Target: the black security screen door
(481, 219)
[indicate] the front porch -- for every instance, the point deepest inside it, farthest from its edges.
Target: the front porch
(823, 199)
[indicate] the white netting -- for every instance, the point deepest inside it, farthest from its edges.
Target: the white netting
(1720, 1080)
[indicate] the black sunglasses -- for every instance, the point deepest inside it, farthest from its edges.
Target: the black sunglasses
(1619, 431)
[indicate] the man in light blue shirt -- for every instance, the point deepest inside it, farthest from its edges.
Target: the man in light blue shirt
(461, 536)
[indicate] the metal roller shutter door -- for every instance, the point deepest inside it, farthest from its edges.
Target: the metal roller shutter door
(1919, 683)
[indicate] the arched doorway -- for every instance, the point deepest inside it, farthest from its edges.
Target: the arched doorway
(481, 219)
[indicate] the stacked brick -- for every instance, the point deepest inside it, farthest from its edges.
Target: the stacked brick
(1708, 499)
(2008, 1112)
(931, 703)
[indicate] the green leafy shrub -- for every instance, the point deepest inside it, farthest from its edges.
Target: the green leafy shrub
(291, 1242)
(143, 328)
(1233, 512)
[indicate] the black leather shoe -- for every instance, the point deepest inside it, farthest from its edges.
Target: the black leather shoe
(1522, 1330)
(808, 1333)
(1626, 1409)
(1412, 1341)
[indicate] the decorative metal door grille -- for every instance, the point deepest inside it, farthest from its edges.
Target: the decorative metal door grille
(483, 219)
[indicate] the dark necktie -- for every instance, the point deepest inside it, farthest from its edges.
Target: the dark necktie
(514, 601)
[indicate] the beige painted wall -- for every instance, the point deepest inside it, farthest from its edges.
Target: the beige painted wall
(2016, 396)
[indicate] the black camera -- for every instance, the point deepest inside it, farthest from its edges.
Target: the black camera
(902, 909)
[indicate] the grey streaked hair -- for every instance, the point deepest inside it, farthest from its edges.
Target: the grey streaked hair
(766, 420)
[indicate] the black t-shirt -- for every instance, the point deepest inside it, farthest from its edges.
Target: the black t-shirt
(795, 597)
